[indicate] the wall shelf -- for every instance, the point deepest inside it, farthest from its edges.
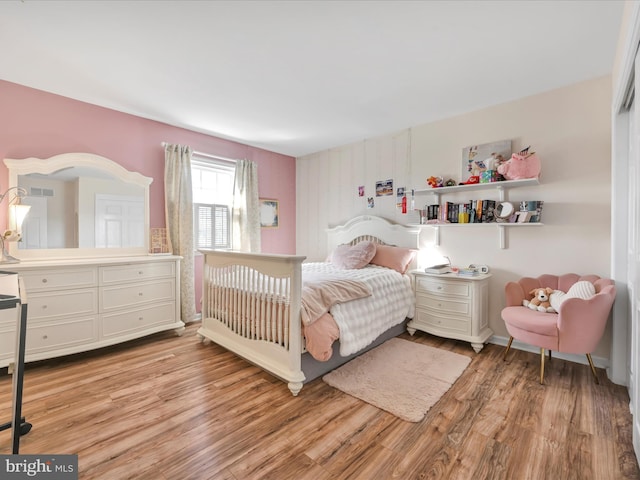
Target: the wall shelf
(501, 187)
(500, 226)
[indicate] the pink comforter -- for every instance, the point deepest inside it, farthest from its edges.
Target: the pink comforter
(318, 296)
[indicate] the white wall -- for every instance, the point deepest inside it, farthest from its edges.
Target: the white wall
(570, 130)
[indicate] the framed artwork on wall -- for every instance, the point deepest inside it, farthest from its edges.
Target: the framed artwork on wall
(477, 159)
(269, 215)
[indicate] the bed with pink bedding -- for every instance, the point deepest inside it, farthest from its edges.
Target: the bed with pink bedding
(298, 320)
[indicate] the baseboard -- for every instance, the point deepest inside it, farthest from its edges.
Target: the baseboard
(571, 357)
(196, 318)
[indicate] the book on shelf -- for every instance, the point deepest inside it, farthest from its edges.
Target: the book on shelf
(482, 211)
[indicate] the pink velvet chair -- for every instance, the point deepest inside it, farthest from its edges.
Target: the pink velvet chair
(576, 328)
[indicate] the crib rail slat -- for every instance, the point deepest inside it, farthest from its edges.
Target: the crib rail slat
(251, 305)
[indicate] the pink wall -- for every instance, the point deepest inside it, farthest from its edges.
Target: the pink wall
(38, 124)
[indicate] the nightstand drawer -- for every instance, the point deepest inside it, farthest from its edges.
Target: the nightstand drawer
(443, 323)
(442, 287)
(440, 304)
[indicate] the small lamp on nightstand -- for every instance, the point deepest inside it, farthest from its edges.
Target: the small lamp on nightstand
(17, 214)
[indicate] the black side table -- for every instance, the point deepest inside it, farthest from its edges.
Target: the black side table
(18, 423)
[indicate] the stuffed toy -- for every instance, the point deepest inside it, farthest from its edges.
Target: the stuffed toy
(434, 182)
(520, 166)
(540, 300)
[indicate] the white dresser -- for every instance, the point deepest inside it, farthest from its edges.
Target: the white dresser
(75, 305)
(452, 306)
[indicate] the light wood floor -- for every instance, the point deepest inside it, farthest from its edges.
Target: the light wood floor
(166, 407)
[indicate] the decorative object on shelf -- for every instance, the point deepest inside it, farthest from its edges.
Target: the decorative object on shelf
(269, 214)
(450, 183)
(471, 180)
(504, 211)
(435, 182)
(534, 207)
(159, 243)
(17, 213)
(521, 165)
(478, 159)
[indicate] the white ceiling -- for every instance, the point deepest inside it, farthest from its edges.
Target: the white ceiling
(297, 77)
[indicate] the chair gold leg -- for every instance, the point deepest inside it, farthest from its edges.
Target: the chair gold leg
(541, 366)
(593, 369)
(507, 349)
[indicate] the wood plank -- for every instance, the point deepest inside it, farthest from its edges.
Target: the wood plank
(168, 407)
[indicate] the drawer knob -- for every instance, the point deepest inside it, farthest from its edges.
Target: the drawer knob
(44, 280)
(44, 337)
(439, 287)
(44, 307)
(140, 272)
(140, 318)
(139, 294)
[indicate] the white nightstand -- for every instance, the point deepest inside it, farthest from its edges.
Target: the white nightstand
(452, 306)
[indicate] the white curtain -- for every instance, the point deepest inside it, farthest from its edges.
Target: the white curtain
(246, 208)
(179, 220)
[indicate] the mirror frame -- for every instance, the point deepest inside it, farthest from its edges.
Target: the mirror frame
(53, 164)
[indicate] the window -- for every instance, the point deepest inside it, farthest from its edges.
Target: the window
(212, 181)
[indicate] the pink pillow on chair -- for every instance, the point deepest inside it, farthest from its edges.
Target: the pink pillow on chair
(396, 258)
(353, 256)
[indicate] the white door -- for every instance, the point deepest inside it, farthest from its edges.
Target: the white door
(34, 227)
(633, 259)
(119, 221)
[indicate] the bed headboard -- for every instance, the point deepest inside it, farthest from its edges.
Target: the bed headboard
(377, 229)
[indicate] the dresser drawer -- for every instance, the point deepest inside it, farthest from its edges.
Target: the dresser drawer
(117, 274)
(116, 324)
(444, 305)
(63, 304)
(442, 287)
(442, 324)
(8, 318)
(63, 334)
(7, 342)
(60, 279)
(134, 294)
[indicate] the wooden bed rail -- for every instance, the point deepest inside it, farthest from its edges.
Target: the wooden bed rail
(251, 305)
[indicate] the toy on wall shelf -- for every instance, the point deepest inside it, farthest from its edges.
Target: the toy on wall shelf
(471, 180)
(521, 165)
(435, 182)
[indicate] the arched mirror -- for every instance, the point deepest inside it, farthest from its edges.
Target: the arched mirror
(82, 205)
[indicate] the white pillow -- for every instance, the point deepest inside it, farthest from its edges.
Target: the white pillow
(583, 289)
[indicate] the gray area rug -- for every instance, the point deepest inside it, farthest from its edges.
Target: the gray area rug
(401, 377)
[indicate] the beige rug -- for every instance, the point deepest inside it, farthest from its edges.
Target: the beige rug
(402, 377)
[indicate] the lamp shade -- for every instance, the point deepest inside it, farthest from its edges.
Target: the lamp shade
(17, 213)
